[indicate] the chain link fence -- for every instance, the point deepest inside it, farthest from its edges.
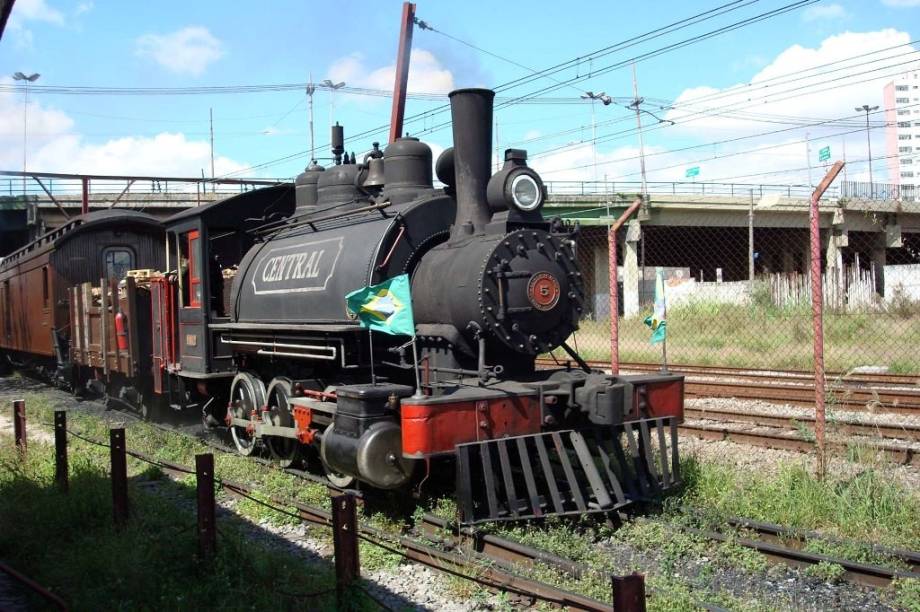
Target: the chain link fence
(738, 288)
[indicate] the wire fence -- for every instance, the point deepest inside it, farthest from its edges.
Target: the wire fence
(737, 286)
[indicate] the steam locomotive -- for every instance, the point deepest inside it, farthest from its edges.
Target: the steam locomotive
(248, 325)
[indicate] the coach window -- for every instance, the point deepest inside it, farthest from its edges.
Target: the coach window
(117, 262)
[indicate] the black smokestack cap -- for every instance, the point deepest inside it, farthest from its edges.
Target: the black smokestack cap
(471, 113)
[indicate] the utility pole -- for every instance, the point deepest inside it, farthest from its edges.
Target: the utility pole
(751, 241)
(606, 100)
(868, 109)
(332, 88)
(311, 89)
(211, 115)
(18, 76)
(636, 102)
(401, 80)
(808, 158)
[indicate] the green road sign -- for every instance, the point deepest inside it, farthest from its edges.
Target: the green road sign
(824, 154)
(691, 172)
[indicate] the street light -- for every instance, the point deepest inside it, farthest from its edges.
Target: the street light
(868, 109)
(606, 100)
(332, 86)
(311, 89)
(18, 76)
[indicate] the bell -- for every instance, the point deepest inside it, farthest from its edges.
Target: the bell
(374, 173)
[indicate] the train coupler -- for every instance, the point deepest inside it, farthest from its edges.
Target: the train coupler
(567, 472)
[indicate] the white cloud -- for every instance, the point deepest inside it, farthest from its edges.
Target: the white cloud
(83, 7)
(37, 10)
(186, 51)
(747, 110)
(901, 3)
(25, 11)
(426, 74)
(56, 146)
(820, 12)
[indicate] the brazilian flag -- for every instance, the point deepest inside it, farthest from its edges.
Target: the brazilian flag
(385, 307)
(656, 321)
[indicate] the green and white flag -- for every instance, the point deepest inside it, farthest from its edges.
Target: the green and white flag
(656, 320)
(385, 307)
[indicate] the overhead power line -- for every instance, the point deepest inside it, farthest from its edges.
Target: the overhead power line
(675, 26)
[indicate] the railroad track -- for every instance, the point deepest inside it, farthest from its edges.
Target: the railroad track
(496, 561)
(888, 393)
(791, 439)
(842, 426)
(786, 545)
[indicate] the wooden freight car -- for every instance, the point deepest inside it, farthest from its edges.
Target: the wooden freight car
(35, 281)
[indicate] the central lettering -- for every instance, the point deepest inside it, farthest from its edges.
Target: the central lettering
(292, 267)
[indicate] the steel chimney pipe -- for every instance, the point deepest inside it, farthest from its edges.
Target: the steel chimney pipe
(471, 114)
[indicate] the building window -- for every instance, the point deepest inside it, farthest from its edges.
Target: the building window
(907, 174)
(907, 161)
(902, 100)
(903, 136)
(905, 149)
(903, 112)
(903, 123)
(117, 261)
(900, 88)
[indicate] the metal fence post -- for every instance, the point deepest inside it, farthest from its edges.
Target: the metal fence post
(629, 593)
(817, 309)
(345, 544)
(614, 284)
(119, 473)
(19, 426)
(60, 450)
(207, 527)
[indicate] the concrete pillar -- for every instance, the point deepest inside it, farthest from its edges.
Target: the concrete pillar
(601, 281)
(788, 261)
(879, 260)
(631, 270)
(833, 285)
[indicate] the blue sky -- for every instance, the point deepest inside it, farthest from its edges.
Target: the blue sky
(203, 44)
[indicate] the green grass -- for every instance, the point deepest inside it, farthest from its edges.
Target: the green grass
(868, 506)
(760, 336)
(67, 543)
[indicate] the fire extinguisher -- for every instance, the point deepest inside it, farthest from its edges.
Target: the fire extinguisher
(121, 331)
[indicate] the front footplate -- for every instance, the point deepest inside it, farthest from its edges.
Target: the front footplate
(567, 472)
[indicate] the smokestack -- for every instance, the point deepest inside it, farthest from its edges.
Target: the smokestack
(471, 113)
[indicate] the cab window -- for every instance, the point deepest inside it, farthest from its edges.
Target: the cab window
(194, 268)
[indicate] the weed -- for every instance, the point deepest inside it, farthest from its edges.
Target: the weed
(907, 594)
(828, 572)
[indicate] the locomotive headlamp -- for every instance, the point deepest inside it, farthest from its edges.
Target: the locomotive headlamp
(515, 186)
(525, 193)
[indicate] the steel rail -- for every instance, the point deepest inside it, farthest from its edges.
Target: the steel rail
(884, 430)
(425, 554)
(781, 440)
(858, 394)
(867, 574)
(33, 586)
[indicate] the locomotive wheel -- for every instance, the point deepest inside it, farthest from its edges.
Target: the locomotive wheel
(285, 450)
(247, 393)
(338, 479)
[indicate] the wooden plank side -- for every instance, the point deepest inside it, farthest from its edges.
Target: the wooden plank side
(133, 328)
(104, 325)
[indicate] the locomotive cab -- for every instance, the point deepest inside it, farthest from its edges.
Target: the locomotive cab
(203, 248)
